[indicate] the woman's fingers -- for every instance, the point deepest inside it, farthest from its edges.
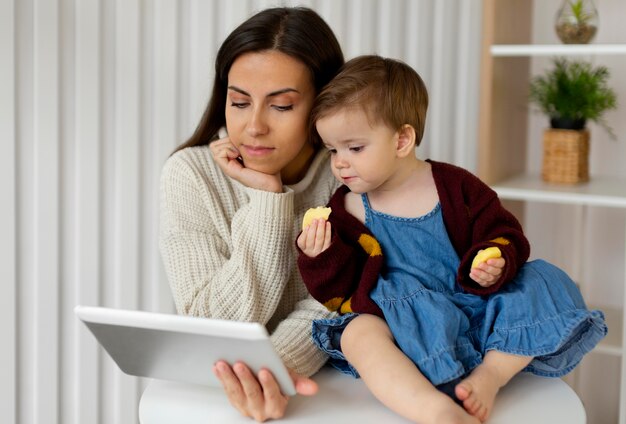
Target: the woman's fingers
(229, 160)
(275, 401)
(260, 399)
(232, 386)
(255, 399)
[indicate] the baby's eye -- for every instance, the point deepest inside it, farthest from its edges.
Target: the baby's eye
(239, 105)
(332, 151)
(356, 148)
(283, 108)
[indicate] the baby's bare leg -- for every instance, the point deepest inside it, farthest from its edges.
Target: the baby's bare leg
(390, 375)
(478, 391)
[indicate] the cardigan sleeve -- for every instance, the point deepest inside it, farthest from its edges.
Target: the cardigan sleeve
(332, 276)
(491, 225)
(342, 276)
(476, 219)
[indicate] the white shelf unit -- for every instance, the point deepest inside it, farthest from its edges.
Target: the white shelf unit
(599, 192)
(503, 136)
(510, 50)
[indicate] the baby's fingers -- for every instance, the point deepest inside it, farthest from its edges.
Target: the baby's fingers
(321, 234)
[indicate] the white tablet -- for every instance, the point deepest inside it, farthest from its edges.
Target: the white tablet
(182, 348)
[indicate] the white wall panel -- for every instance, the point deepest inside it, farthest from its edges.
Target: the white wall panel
(8, 214)
(46, 255)
(94, 96)
(83, 275)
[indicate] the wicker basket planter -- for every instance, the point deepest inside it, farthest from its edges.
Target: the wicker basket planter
(565, 156)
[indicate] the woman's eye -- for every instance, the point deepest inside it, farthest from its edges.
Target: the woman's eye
(239, 105)
(283, 108)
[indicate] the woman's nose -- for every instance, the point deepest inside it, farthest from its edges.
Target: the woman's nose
(257, 124)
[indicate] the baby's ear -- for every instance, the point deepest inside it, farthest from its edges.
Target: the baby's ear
(406, 140)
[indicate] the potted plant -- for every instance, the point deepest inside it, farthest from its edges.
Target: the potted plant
(576, 21)
(571, 94)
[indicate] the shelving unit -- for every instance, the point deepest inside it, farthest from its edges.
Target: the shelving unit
(599, 192)
(505, 73)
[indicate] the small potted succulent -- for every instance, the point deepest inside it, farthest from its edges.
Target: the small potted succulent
(571, 94)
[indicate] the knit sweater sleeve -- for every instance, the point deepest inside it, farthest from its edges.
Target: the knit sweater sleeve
(223, 260)
(228, 251)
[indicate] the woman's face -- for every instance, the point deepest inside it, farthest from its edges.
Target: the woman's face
(270, 95)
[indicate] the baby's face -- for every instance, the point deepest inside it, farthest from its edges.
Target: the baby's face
(363, 155)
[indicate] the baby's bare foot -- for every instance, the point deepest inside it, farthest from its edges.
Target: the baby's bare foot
(478, 392)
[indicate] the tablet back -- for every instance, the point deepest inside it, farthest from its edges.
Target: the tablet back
(181, 348)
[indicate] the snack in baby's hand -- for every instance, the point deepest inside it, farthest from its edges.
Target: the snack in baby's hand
(488, 253)
(319, 212)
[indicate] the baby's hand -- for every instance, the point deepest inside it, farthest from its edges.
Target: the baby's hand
(315, 238)
(487, 272)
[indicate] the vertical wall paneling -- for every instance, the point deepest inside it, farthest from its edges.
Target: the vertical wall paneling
(127, 179)
(230, 15)
(439, 85)
(151, 160)
(202, 45)
(94, 96)
(391, 40)
(46, 231)
(333, 13)
(361, 13)
(466, 100)
(165, 127)
(414, 35)
(87, 205)
(25, 205)
(8, 214)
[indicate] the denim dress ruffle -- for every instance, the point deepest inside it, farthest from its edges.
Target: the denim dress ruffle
(445, 331)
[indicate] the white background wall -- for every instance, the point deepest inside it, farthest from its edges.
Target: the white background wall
(93, 97)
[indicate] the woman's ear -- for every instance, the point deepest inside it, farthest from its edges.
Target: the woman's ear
(406, 140)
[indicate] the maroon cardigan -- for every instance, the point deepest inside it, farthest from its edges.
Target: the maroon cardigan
(342, 276)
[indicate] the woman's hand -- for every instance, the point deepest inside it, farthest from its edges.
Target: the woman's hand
(258, 397)
(487, 273)
(229, 160)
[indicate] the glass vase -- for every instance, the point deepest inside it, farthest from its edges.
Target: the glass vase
(576, 21)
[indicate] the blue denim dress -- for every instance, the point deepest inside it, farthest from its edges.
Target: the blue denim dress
(446, 332)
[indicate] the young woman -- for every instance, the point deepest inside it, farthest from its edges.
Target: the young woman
(232, 197)
(425, 313)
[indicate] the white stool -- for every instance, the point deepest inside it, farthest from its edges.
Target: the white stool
(526, 399)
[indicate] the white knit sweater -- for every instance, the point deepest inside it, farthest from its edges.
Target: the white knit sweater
(229, 250)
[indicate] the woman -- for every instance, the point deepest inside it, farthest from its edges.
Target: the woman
(232, 200)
